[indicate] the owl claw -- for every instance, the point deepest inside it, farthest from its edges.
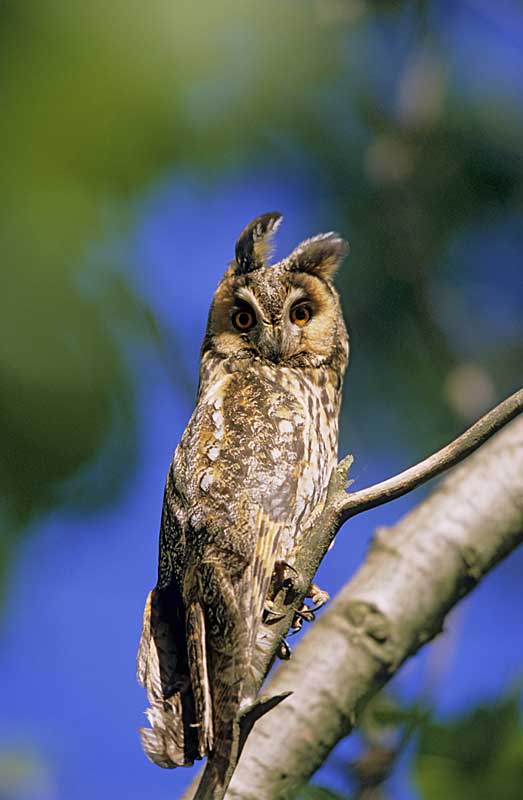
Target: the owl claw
(307, 614)
(304, 614)
(269, 615)
(284, 652)
(286, 565)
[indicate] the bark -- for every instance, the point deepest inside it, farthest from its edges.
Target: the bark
(415, 572)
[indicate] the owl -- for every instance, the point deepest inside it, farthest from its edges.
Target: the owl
(250, 472)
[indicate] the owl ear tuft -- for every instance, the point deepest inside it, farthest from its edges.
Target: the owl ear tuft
(321, 255)
(253, 248)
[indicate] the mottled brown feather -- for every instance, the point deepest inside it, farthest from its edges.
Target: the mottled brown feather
(172, 741)
(198, 669)
(251, 470)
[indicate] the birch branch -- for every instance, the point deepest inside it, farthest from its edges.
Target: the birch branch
(414, 574)
(340, 506)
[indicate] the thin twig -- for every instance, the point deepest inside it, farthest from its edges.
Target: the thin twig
(355, 502)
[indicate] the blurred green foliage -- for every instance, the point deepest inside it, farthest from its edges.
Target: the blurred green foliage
(312, 792)
(475, 756)
(98, 99)
(23, 776)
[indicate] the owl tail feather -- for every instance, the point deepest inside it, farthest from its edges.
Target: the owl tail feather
(222, 763)
(197, 653)
(162, 668)
(227, 643)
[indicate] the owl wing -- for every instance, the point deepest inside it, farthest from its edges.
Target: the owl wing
(163, 662)
(201, 640)
(268, 533)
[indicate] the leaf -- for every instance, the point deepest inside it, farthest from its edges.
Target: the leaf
(312, 792)
(383, 716)
(477, 757)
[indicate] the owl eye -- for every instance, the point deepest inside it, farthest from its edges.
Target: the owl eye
(244, 319)
(300, 315)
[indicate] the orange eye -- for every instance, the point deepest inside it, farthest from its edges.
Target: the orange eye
(243, 320)
(300, 315)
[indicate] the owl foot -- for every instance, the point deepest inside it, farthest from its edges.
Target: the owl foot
(318, 596)
(304, 614)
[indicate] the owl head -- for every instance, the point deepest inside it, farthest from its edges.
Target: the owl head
(286, 313)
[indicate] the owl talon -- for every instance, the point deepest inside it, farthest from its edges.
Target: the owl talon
(280, 570)
(284, 651)
(270, 616)
(296, 627)
(306, 614)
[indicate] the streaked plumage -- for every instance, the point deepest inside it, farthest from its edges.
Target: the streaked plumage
(251, 469)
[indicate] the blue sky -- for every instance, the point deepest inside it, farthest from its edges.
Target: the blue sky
(76, 593)
(69, 701)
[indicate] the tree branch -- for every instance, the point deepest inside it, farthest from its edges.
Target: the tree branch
(340, 506)
(356, 502)
(414, 574)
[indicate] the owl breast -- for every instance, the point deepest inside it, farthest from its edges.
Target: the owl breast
(263, 439)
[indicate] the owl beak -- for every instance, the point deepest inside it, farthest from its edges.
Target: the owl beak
(272, 349)
(274, 353)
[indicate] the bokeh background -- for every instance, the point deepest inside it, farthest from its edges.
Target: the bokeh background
(137, 140)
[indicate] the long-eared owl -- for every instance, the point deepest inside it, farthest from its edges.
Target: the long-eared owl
(251, 470)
